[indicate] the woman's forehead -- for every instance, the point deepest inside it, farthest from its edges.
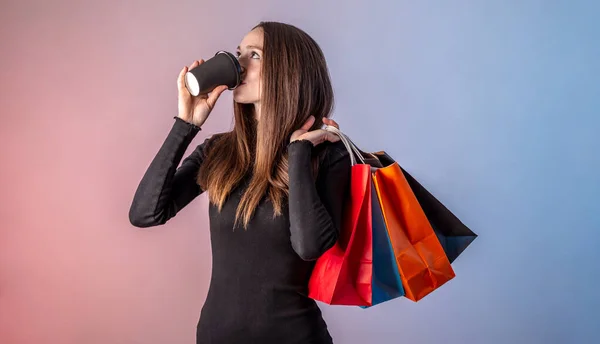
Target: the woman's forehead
(253, 38)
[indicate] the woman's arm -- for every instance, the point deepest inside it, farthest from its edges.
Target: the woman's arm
(165, 189)
(316, 208)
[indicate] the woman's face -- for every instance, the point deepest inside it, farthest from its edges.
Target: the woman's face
(250, 55)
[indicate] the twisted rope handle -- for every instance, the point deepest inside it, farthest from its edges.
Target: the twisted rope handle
(350, 146)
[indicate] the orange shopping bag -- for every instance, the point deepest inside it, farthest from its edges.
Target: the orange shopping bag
(421, 259)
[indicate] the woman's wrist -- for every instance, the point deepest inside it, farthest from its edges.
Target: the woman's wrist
(181, 119)
(299, 140)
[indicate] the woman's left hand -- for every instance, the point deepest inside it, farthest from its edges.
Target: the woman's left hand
(315, 136)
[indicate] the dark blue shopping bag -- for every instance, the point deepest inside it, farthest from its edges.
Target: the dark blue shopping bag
(387, 284)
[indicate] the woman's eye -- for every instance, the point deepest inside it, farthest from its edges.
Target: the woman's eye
(253, 55)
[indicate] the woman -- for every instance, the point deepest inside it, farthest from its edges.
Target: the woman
(276, 185)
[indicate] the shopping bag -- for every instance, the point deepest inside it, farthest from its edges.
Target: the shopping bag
(343, 274)
(387, 284)
(452, 233)
(422, 262)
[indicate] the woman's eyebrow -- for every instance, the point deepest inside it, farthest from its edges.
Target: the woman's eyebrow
(250, 47)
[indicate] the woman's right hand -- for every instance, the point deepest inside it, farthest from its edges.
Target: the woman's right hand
(195, 109)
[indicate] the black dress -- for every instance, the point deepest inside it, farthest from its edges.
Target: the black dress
(259, 283)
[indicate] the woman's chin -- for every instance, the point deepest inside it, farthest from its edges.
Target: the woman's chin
(240, 99)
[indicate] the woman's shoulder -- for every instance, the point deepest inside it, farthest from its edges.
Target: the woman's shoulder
(333, 152)
(212, 140)
(207, 144)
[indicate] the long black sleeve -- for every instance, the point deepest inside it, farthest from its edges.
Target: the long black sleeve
(315, 209)
(165, 189)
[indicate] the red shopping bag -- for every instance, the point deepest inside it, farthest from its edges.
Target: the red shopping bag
(343, 275)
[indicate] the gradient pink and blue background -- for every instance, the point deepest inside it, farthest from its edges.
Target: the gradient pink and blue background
(492, 105)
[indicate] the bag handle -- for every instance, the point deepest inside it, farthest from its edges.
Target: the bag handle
(350, 146)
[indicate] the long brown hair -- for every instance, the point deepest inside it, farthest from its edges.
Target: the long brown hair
(295, 85)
